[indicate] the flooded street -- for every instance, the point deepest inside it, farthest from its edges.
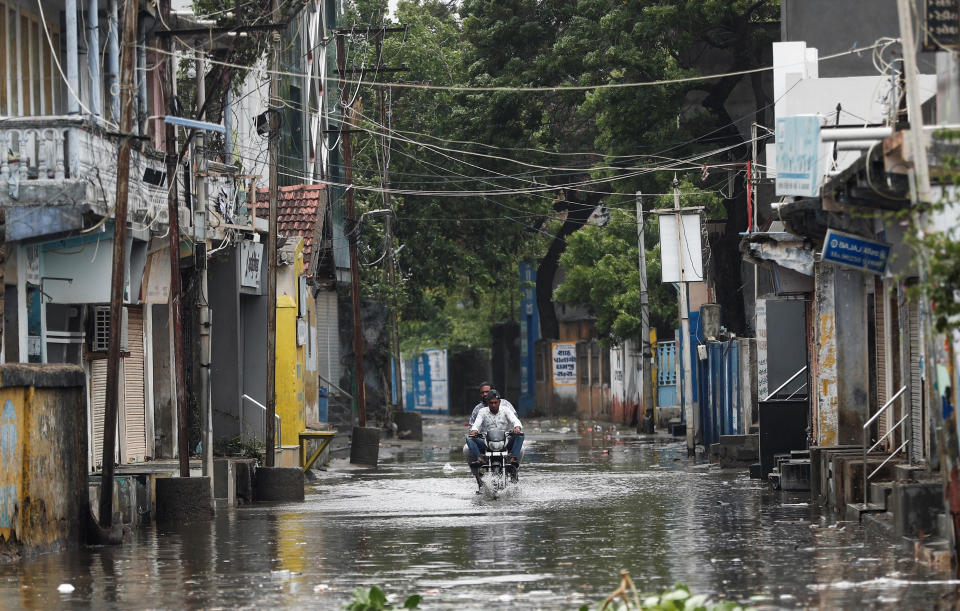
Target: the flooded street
(590, 503)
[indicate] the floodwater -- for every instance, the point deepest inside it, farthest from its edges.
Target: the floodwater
(589, 504)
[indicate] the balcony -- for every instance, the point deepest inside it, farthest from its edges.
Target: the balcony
(62, 168)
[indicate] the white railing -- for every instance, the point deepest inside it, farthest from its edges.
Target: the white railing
(73, 147)
(790, 379)
(866, 427)
(255, 426)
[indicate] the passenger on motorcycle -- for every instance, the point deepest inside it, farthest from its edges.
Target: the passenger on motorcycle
(493, 416)
(484, 389)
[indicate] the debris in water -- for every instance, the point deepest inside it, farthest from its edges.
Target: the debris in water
(448, 468)
(321, 588)
(65, 588)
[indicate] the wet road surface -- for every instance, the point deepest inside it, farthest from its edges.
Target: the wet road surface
(589, 504)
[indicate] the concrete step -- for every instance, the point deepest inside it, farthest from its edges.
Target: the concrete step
(915, 506)
(856, 511)
(880, 493)
(796, 454)
(795, 475)
(933, 552)
(878, 524)
(909, 473)
(678, 429)
(737, 450)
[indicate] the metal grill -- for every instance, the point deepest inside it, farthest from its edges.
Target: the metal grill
(101, 333)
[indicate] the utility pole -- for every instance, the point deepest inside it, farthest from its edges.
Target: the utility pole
(352, 230)
(646, 403)
(274, 139)
(175, 308)
(391, 270)
(200, 235)
(948, 446)
(111, 406)
(684, 345)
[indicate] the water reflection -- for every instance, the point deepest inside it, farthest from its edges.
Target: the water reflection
(591, 502)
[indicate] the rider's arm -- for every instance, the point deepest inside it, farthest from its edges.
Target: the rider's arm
(477, 421)
(514, 421)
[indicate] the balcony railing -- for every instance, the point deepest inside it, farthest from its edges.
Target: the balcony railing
(45, 152)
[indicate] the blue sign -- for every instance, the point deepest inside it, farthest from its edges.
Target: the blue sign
(798, 153)
(855, 251)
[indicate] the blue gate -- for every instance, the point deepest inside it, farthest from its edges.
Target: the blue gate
(720, 392)
(666, 373)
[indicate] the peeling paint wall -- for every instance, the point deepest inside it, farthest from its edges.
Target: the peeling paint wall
(43, 458)
(826, 393)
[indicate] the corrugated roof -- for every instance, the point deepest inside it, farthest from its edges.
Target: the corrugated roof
(297, 210)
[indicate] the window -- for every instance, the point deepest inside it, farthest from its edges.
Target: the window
(28, 86)
(101, 331)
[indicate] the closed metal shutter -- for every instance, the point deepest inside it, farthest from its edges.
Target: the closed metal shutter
(328, 337)
(916, 384)
(98, 396)
(880, 326)
(134, 411)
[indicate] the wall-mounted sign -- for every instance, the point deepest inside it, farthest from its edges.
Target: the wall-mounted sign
(941, 24)
(564, 364)
(855, 251)
(251, 255)
(798, 154)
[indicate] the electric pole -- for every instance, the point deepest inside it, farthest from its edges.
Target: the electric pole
(646, 403)
(352, 231)
(684, 343)
(200, 235)
(174, 309)
(111, 407)
(274, 146)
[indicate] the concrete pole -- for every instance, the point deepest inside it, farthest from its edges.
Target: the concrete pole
(228, 125)
(684, 345)
(93, 56)
(141, 81)
(271, 356)
(73, 66)
(948, 446)
(646, 399)
(385, 114)
(111, 404)
(206, 411)
(113, 64)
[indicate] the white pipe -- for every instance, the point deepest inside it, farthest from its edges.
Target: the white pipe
(93, 55)
(855, 133)
(73, 66)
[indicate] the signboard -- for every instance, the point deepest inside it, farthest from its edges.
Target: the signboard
(855, 251)
(564, 363)
(426, 383)
(941, 24)
(681, 249)
(798, 153)
(251, 256)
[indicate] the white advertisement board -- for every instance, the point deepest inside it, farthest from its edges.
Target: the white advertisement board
(564, 363)
(681, 248)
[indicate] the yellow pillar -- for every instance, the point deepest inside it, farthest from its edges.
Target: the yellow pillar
(290, 366)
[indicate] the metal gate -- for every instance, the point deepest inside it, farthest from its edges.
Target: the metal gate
(666, 373)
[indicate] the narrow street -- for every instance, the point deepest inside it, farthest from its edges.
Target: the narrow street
(590, 503)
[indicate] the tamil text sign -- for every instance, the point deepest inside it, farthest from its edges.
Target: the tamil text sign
(855, 251)
(798, 153)
(564, 364)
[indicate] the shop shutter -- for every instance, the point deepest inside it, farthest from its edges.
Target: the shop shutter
(135, 433)
(98, 396)
(916, 384)
(880, 327)
(328, 338)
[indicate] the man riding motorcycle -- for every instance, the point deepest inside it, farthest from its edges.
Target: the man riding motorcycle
(494, 417)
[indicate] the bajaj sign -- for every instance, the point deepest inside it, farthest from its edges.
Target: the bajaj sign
(798, 154)
(855, 251)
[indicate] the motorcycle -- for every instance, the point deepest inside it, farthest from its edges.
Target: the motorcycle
(496, 472)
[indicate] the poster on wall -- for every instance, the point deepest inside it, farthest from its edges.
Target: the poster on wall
(564, 364)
